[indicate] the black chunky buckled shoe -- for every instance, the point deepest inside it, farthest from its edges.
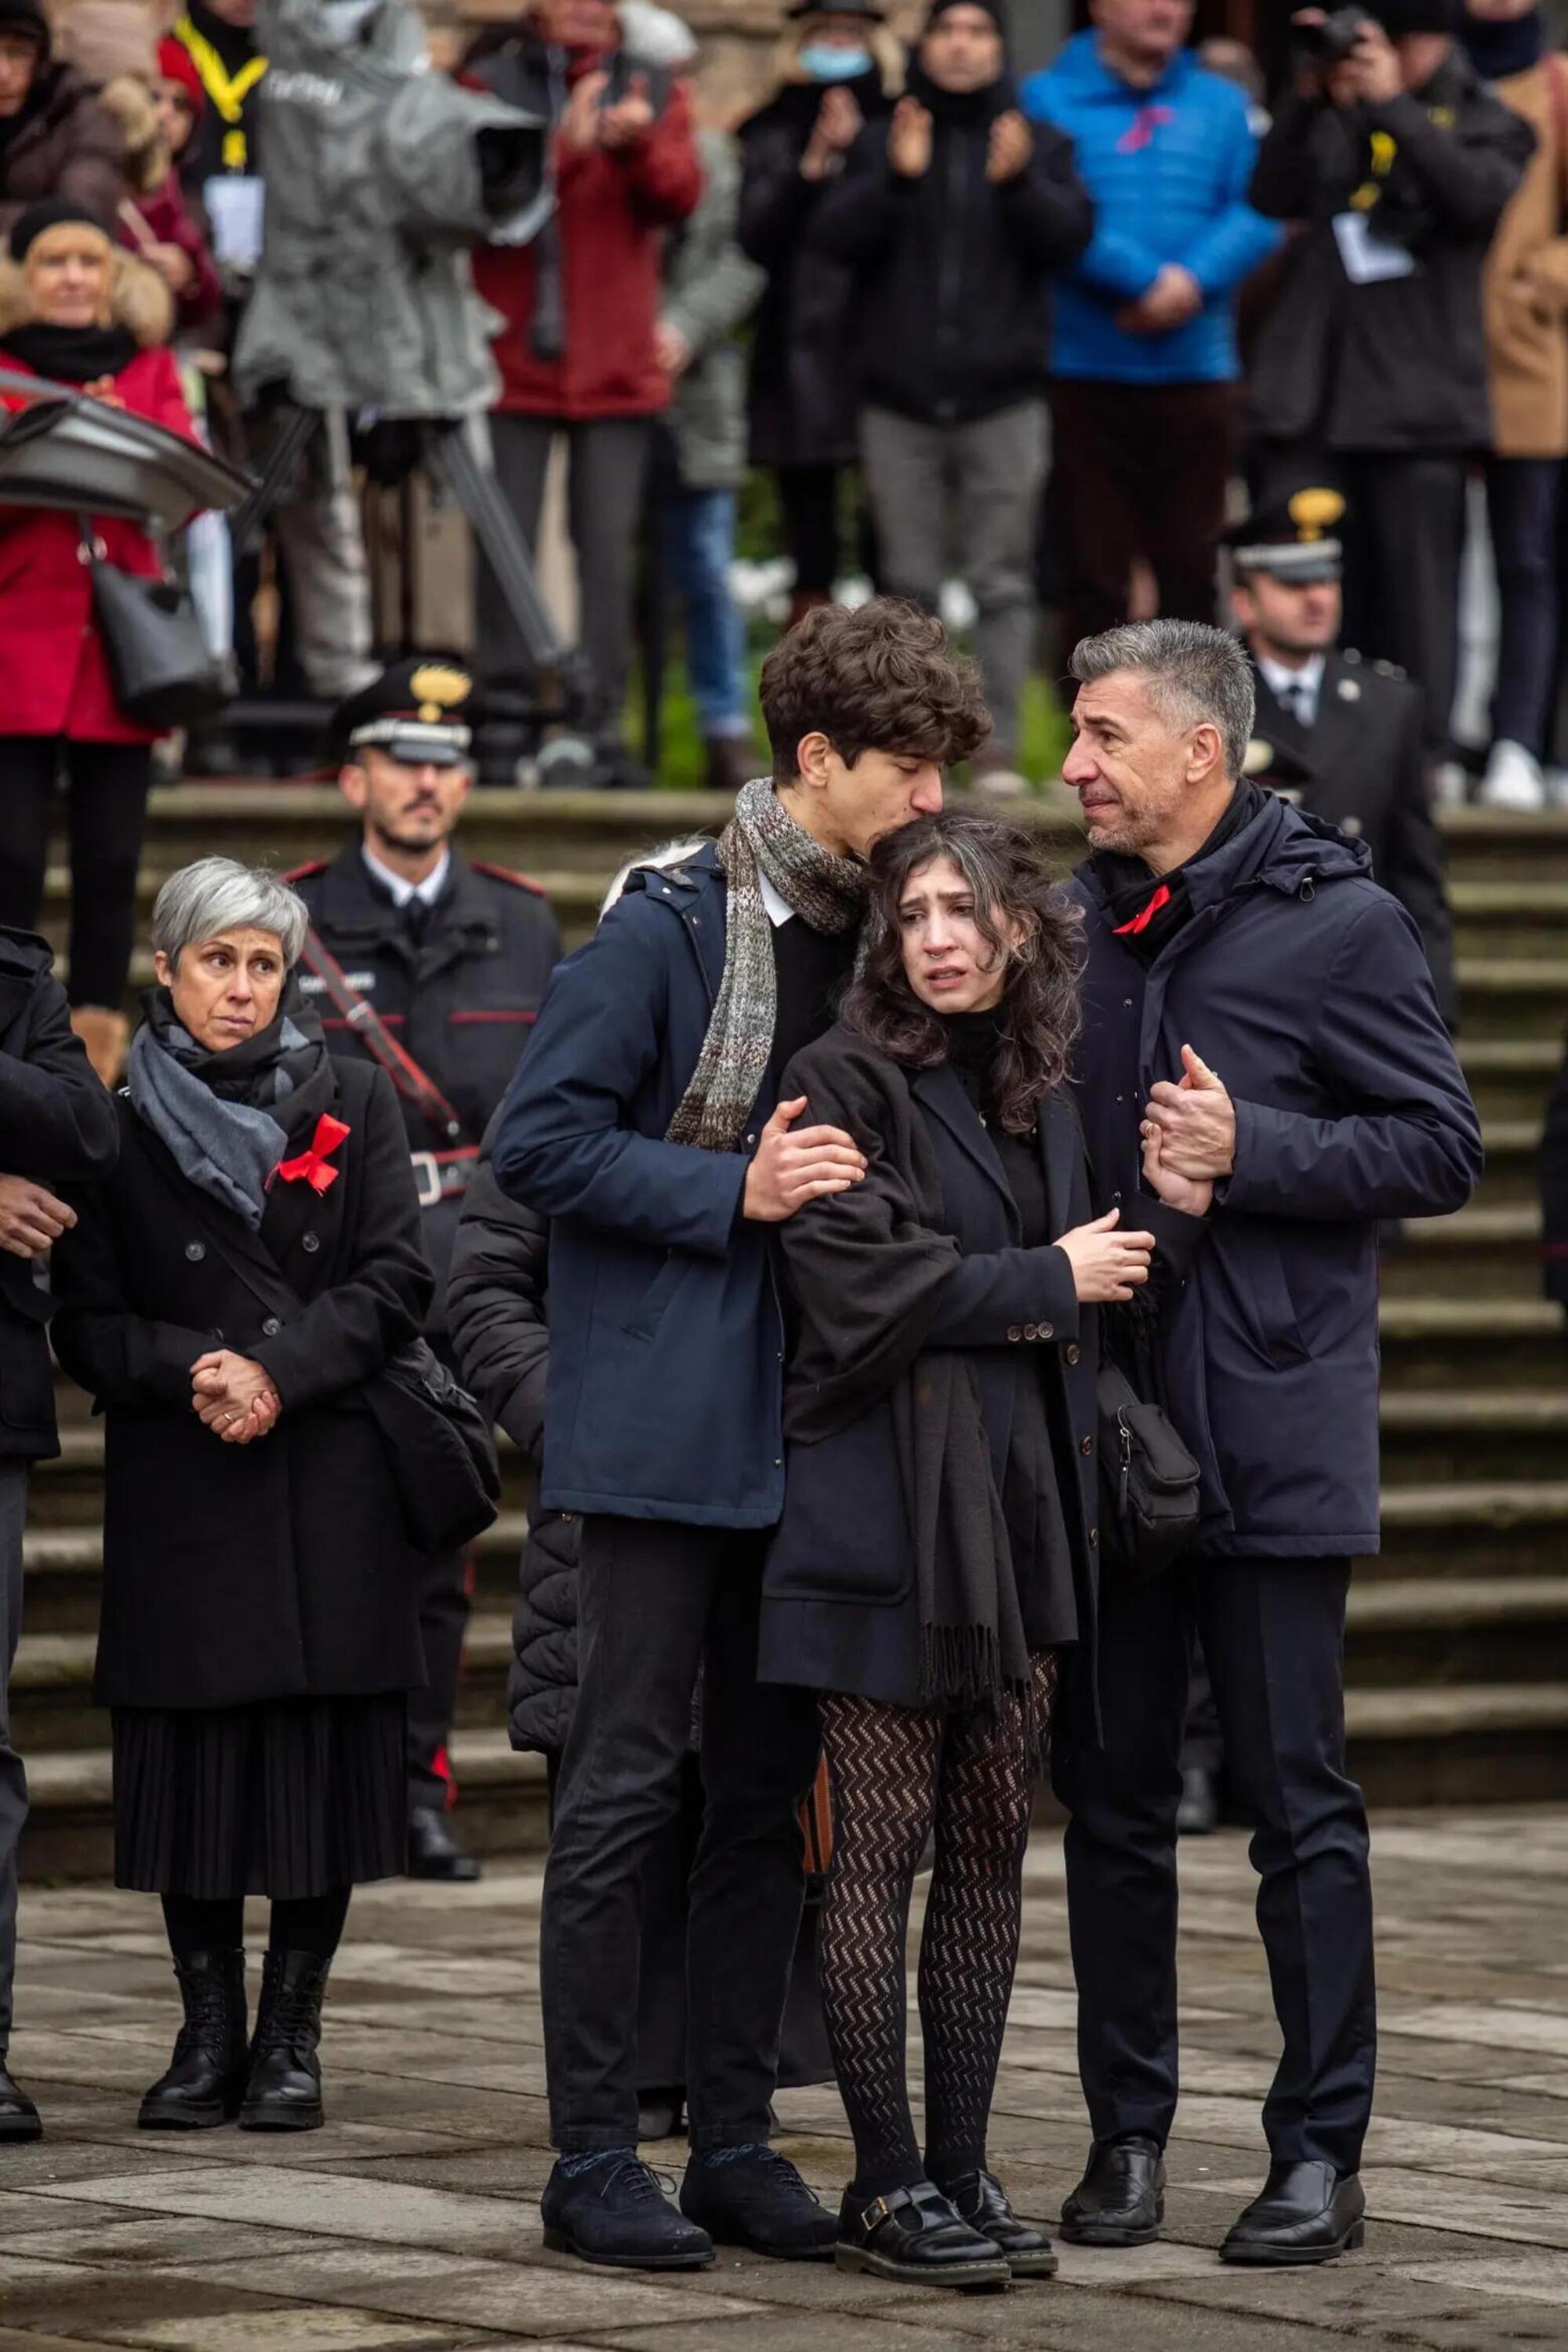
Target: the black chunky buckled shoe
(913, 2236)
(1306, 2212)
(19, 2118)
(284, 2089)
(614, 2211)
(979, 2199)
(206, 2078)
(1121, 2200)
(753, 2197)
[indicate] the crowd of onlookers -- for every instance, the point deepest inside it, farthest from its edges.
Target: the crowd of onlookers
(1039, 337)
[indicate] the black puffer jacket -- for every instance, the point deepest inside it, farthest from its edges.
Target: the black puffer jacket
(496, 1307)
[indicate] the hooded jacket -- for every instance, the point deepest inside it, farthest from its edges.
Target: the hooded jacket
(1167, 170)
(1305, 987)
(380, 173)
(1397, 364)
(951, 272)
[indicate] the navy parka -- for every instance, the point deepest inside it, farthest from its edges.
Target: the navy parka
(664, 1396)
(1305, 987)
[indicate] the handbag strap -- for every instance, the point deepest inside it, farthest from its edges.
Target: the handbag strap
(411, 1082)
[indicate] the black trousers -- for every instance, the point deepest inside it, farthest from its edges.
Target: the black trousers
(446, 1582)
(1273, 1634)
(1403, 535)
(106, 815)
(656, 1601)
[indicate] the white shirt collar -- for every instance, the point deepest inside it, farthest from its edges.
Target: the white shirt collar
(780, 912)
(402, 889)
(1287, 684)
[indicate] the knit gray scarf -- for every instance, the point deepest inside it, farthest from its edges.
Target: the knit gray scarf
(825, 891)
(226, 1149)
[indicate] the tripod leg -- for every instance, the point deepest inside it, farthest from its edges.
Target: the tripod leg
(293, 437)
(451, 458)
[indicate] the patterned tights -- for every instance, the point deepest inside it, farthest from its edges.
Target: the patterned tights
(898, 1774)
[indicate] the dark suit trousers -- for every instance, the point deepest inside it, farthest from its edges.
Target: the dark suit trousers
(1273, 1634)
(655, 1603)
(1139, 470)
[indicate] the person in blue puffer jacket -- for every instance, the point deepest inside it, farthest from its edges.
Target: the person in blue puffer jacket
(1143, 344)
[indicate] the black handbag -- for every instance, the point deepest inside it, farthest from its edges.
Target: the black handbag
(440, 1448)
(1150, 1481)
(161, 670)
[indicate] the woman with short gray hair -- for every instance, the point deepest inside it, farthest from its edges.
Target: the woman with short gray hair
(255, 1262)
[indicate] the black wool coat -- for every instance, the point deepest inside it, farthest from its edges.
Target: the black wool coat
(58, 1127)
(279, 1569)
(840, 1609)
(497, 1307)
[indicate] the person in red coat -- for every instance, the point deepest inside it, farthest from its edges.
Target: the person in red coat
(578, 353)
(76, 310)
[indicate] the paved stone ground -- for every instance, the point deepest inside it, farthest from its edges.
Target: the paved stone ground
(410, 2223)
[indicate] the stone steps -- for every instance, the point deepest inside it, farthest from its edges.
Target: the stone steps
(1457, 1633)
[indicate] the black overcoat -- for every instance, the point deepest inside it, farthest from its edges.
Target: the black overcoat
(58, 1129)
(279, 1569)
(840, 1610)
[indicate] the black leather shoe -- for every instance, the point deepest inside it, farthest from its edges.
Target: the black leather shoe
(206, 2078)
(660, 2113)
(1308, 2213)
(913, 2236)
(1121, 2200)
(434, 1852)
(19, 2118)
(1197, 1815)
(753, 2197)
(284, 2089)
(979, 2199)
(615, 2212)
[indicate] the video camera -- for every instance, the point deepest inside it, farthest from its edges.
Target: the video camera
(1331, 42)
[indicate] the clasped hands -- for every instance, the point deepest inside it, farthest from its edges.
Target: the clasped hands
(233, 1396)
(1189, 1136)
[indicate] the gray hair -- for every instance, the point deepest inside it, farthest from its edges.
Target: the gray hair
(1194, 675)
(218, 894)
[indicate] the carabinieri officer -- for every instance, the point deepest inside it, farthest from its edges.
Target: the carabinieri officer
(451, 956)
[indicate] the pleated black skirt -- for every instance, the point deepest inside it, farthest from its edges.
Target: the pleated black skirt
(288, 1797)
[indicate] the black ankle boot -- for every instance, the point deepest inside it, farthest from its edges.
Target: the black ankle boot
(206, 2080)
(284, 2092)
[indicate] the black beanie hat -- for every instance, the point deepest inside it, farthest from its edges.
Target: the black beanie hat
(26, 16)
(992, 8)
(1398, 18)
(49, 212)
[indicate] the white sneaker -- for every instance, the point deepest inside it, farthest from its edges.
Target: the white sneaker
(1450, 783)
(1000, 783)
(1513, 780)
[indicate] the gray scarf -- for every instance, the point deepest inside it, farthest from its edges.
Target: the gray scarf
(825, 891)
(226, 1149)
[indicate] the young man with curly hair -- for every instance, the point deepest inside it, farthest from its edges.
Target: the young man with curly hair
(644, 1121)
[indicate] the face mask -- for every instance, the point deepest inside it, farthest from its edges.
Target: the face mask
(825, 64)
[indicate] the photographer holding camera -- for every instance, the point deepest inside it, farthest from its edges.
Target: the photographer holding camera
(1370, 369)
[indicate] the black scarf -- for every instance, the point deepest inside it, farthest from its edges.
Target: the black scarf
(1498, 50)
(70, 355)
(269, 1071)
(1146, 910)
(964, 109)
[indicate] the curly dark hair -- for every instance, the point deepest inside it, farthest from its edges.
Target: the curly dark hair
(883, 677)
(1006, 867)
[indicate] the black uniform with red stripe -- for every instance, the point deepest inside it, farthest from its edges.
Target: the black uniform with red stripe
(457, 985)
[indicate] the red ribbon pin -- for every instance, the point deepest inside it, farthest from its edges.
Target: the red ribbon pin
(313, 1167)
